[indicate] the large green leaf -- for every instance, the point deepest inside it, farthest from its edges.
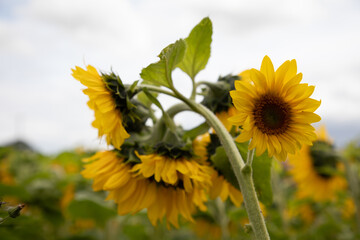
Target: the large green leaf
(261, 171)
(155, 73)
(198, 48)
(261, 174)
(222, 164)
(159, 73)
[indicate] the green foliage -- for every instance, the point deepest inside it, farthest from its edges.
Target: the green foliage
(198, 48)
(159, 73)
(261, 171)
(222, 164)
(89, 209)
(261, 174)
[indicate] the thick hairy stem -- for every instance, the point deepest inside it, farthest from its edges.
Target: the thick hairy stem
(244, 177)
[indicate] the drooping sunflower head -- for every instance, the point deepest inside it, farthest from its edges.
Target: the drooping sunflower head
(218, 100)
(216, 95)
(181, 182)
(275, 110)
(116, 113)
(317, 170)
(221, 187)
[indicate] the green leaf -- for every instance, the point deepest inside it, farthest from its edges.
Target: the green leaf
(168, 120)
(153, 99)
(142, 96)
(173, 54)
(198, 48)
(160, 72)
(222, 164)
(261, 174)
(155, 73)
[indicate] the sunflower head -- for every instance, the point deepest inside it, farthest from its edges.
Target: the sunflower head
(116, 112)
(216, 95)
(222, 178)
(317, 170)
(274, 109)
(173, 151)
(134, 113)
(180, 181)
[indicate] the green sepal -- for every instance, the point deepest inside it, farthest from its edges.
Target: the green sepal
(152, 98)
(142, 96)
(174, 150)
(159, 73)
(223, 166)
(198, 48)
(261, 170)
(216, 95)
(133, 86)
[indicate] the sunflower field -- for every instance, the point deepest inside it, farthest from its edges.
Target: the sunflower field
(255, 168)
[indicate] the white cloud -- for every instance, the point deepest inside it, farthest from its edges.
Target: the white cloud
(42, 40)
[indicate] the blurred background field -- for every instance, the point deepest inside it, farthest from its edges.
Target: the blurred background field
(40, 41)
(44, 117)
(60, 204)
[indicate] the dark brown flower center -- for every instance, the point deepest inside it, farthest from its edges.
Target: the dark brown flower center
(272, 114)
(324, 159)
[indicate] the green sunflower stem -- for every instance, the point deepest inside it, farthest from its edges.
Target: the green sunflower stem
(244, 178)
(193, 92)
(223, 219)
(158, 132)
(250, 156)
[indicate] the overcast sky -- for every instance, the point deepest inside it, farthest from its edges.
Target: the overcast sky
(41, 40)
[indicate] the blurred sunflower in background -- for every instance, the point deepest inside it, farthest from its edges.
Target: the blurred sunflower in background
(317, 170)
(275, 110)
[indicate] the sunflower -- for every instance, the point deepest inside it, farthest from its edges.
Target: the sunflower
(348, 209)
(200, 145)
(225, 115)
(181, 184)
(303, 211)
(206, 228)
(223, 189)
(205, 146)
(316, 170)
(275, 110)
(110, 172)
(165, 187)
(108, 117)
